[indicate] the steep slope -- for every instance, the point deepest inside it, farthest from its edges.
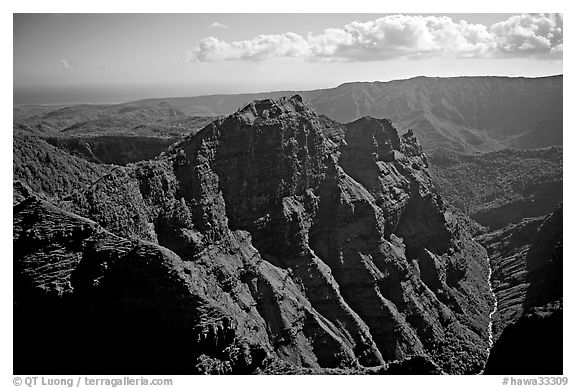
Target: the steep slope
(502, 187)
(464, 113)
(91, 291)
(532, 345)
(49, 171)
(323, 246)
(526, 261)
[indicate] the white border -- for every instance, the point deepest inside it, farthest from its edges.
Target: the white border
(356, 6)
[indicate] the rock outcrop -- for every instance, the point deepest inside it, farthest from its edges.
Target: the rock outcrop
(88, 301)
(272, 235)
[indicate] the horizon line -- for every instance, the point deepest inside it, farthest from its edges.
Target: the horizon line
(283, 91)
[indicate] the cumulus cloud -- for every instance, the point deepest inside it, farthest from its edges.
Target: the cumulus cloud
(398, 36)
(261, 47)
(529, 34)
(217, 25)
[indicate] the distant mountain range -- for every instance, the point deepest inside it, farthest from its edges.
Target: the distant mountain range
(465, 114)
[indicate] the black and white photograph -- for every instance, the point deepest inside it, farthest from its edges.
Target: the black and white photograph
(287, 194)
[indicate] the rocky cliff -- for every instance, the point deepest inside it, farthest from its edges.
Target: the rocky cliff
(526, 261)
(273, 236)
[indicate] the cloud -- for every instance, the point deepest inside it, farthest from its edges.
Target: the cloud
(217, 25)
(261, 47)
(529, 34)
(65, 64)
(399, 36)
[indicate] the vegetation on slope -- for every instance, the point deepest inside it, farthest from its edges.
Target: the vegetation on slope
(498, 188)
(50, 171)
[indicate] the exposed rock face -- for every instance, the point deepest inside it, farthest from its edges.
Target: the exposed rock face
(507, 249)
(544, 262)
(99, 303)
(526, 261)
(314, 244)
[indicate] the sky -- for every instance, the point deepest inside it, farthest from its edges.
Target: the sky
(107, 58)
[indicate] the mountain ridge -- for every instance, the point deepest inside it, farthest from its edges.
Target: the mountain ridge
(292, 92)
(466, 114)
(304, 236)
